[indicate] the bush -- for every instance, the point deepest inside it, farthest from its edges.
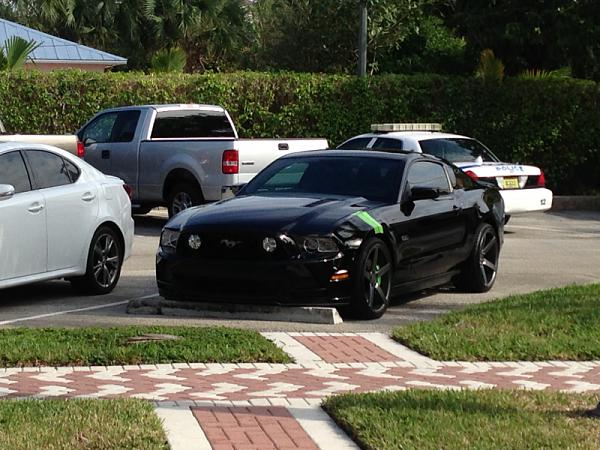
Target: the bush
(552, 123)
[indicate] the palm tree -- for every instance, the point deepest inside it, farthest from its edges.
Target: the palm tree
(15, 53)
(169, 60)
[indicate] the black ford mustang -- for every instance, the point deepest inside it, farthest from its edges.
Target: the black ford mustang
(337, 228)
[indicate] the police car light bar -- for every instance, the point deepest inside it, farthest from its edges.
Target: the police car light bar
(406, 127)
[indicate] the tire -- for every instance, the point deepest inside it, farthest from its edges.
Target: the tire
(480, 270)
(104, 263)
(372, 277)
(183, 196)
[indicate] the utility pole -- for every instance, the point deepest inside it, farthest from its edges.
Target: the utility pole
(362, 40)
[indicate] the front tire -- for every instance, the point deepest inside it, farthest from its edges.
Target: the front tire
(105, 259)
(183, 196)
(479, 273)
(372, 280)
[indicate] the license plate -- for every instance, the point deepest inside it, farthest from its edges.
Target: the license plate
(511, 183)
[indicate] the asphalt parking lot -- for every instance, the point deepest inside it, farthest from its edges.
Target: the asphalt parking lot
(541, 251)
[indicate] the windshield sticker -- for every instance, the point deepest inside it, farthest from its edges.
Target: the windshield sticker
(369, 220)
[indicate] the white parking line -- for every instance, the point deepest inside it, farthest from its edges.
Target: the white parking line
(87, 308)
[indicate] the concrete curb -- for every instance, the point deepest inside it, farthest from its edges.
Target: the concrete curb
(576, 203)
(230, 311)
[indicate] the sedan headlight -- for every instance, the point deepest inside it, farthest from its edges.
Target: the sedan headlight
(168, 240)
(319, 245)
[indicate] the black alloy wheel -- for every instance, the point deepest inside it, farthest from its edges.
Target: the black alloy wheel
(481, 268)
(183, 196)
(372, 280)
(105, 260)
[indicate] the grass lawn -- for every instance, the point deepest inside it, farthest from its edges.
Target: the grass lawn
(79, 424)
(109, 346)
(485, 419)
(557, 324)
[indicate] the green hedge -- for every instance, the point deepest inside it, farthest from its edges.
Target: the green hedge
(553, 123)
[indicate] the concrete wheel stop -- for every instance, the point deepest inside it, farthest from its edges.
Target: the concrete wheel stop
(233, 311)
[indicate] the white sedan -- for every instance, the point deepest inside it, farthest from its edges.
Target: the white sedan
(523, 187)
(61, 218)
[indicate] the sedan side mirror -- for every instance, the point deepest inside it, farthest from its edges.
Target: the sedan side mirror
(423, 193)
(6, 191)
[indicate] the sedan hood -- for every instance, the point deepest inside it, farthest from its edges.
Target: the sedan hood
(290, 214)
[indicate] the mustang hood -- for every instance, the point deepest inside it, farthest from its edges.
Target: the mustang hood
(295, 214)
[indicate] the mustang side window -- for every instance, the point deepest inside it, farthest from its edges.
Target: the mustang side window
(14, 172)
(430, 175)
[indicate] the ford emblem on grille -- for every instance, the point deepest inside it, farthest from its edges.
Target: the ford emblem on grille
(269, 244)
(229, 243)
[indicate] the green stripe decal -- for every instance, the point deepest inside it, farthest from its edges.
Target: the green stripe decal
(369, 220)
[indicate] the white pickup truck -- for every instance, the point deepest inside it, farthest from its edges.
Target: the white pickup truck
(178, 155)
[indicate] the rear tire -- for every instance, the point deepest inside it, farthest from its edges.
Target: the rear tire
(183, 196)
(105, 259)
(372, 278)
(479, 273)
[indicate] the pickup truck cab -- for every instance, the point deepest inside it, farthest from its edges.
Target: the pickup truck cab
(178, 155)
(522, 186)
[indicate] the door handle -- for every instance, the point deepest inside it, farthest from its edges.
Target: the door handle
(105, 154)
(35, 208)
(88, 197)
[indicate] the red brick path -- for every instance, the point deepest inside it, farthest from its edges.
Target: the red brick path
(252, 428)
(345, 349)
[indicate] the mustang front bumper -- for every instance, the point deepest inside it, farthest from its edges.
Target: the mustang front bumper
(292, 282)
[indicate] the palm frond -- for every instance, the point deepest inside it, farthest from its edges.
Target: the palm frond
(17, 51)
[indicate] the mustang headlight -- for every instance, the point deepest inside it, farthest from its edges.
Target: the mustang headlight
(168, 240)
(319, 245)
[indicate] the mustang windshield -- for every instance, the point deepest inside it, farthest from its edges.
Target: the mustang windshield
(376, 179)
(457, 150)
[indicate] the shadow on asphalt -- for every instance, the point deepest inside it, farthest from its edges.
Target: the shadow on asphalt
(61, 290)
(149, 225)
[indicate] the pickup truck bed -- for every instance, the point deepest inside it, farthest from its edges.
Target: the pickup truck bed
(67, 142)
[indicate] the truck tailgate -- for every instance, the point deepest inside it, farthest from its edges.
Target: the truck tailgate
(256, 154)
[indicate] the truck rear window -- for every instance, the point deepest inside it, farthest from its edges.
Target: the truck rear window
(191, 124)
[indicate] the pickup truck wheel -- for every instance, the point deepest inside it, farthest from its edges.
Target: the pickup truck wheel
(183, 196)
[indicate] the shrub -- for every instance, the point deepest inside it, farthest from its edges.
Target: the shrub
(549, 122)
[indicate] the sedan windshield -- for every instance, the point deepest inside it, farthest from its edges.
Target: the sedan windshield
(376, 179)
(457, 150)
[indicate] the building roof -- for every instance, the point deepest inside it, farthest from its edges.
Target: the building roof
(56, 50)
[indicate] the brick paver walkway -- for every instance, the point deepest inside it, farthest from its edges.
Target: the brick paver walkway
(247, 403)
(308, 379)
(252, 428)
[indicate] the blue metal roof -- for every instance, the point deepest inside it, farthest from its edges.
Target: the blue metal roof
(54, 49)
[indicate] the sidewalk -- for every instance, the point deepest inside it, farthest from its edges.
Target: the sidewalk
(254, 406)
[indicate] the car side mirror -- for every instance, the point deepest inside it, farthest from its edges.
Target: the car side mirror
(88, 141)
(423, 193)
(6, 191)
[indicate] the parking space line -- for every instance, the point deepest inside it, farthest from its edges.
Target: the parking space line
(87, 308)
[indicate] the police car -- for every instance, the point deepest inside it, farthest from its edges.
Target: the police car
(523, 187)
